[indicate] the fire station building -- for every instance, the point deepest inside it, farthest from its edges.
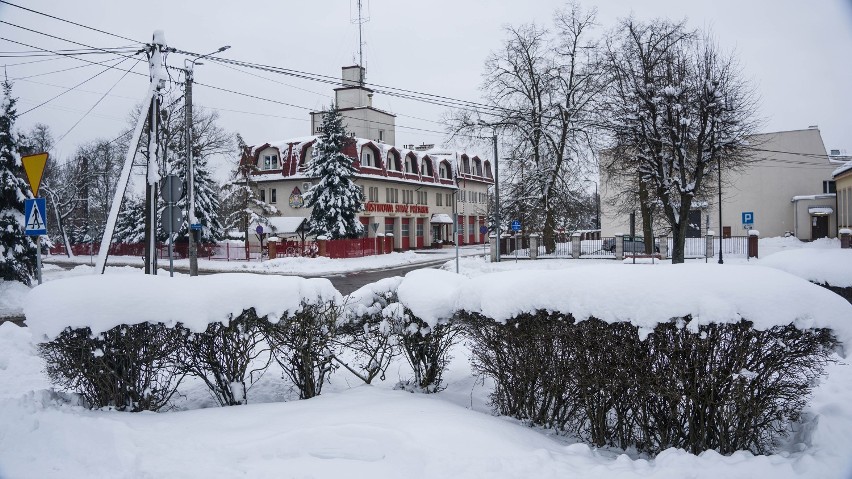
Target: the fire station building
(410, 191)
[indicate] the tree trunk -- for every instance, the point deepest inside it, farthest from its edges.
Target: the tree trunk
(647, 219)
(549, 231)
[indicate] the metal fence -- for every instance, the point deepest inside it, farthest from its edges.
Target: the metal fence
(351, 248)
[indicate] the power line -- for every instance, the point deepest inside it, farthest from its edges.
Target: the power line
(96, 103)
(73, 87)
(69, 21)
(69, 56)
(60, 71)
(60, 38)
(386, 90)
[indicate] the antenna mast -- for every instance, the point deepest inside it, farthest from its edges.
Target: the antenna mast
(361, 20)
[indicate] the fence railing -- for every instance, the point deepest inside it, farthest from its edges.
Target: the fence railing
(351, 248)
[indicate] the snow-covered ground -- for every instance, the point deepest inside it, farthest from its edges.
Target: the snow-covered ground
(375, 432)
(295, 265)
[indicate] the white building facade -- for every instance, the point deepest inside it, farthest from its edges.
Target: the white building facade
(410, 192)
(786, 185)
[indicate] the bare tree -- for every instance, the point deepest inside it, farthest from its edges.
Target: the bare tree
(542, 87)
(681, 109)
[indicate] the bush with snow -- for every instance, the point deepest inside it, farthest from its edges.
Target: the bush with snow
(302, 344)
(725, 387)
(691, 356)
(227, 356)
(388, 323)
(368, 332)
(149, 331)
(128, 367)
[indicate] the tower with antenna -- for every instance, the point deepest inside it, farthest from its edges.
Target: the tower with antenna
(361, 19)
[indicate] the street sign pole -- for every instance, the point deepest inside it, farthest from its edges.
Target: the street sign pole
(34, 168)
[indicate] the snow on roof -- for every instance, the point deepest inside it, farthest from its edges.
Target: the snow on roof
(819, 265)
(283, 224)
(102, 302)
(441, 218)
(842, 169)
(813, 197)
(820, 210)
(642, 296)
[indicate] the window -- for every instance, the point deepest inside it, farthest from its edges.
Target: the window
(828, 186)
(381, 135)
(270, 162)
(367, 158)
(444, 171)
(410, 165)
(361, 187)
(405, 232)
(466, 164)
(388, 228)
(449, 199)
(263, 195)
(408, 197)
(374, 193)
(391, 195)
(392, 162)
(419, 230)
(273, 197)
(477, 167)
(422, 198)
(439, 199)
(426, 168)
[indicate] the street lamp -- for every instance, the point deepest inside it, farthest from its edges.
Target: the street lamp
(496, 187)
(190, 169)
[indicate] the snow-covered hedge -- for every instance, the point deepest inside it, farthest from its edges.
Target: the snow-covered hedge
(379, 326)
(692, 356)
(102, 302)
(126, 341)
(641, 296)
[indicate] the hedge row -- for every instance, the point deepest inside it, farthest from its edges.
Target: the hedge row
(726, 387)
(139, 367)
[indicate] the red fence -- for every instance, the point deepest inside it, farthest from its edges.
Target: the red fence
(344, 248)
(351, 248)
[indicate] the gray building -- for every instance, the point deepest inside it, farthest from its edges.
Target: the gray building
(786, 185)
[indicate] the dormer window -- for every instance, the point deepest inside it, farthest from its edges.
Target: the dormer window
(444, 171)
(393, 162)
(410, 164)
(426, 168)
(270, 162)
(367, 158)
(477, 167)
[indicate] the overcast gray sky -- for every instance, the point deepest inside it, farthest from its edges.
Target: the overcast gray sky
(797, 54)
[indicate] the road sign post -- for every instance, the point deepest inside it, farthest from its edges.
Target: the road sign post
(35, 214)
(35, 210)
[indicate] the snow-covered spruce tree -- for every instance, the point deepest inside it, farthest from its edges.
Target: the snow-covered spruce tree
(17, 250)
(336, 199)
(206, 200)
(241, 206)
(130, 227)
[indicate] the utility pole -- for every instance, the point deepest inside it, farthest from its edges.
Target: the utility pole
(190, 177)
(496, 196)
(190, 162)
(158, 78)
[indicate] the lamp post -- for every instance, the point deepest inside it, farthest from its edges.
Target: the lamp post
(719, 166)
(190, 168)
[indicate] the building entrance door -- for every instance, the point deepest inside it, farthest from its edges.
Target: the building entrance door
(819, 227)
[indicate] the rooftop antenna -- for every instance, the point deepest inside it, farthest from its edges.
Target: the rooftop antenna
(361, 20)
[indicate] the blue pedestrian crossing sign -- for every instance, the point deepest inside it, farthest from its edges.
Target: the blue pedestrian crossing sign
(516, 225)
(748, 217)
(34, 213)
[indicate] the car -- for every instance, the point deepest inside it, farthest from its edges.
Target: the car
(631, 245)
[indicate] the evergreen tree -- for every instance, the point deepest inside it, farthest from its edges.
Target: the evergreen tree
(206, 201)
(336, 199)
(17, 250)
(128, 227)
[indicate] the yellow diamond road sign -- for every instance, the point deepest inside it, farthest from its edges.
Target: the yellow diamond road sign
(34, 166)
